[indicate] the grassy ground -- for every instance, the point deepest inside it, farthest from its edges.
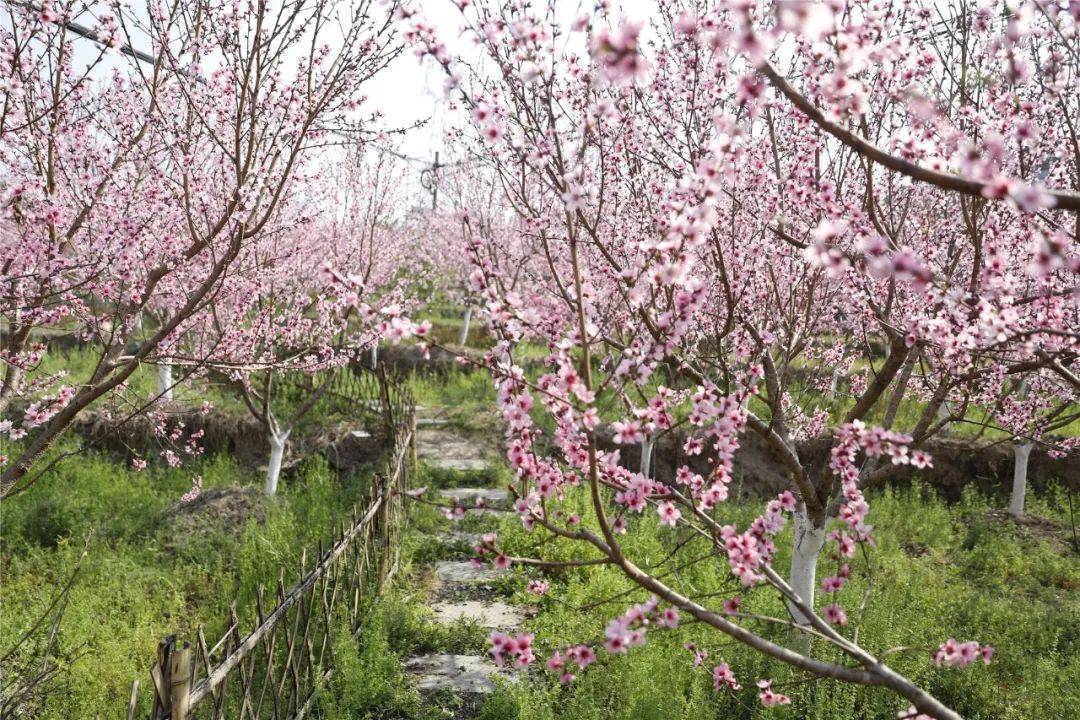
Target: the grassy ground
(150, 570)
(939, 570)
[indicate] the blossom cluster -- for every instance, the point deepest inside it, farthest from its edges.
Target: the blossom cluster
(961, 654)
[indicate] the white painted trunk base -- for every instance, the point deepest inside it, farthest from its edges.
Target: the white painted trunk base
(164, 382)
(808, 542)
(834, 384)
(646, 456)
(464, 337)
(374, 356)
(1021, 454)
(273, 469)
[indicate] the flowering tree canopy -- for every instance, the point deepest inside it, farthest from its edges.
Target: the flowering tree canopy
(149, 187)
(736, 205)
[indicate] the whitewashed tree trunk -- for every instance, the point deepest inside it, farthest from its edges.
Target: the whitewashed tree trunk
(808, 542)
(464, 337)
(273, 470)
(646, 455)
(164, 382)
(834, 384)
(1021, 454)
(374, 356)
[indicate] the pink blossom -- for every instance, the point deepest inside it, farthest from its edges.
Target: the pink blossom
(618, 55)
(538, 587)
(669, 514)
(194, 492)
(834, 614)
(724, 678)
(769, 697)
(957, 654)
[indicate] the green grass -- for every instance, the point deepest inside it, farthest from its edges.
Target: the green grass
(465, 397)
(145, 576)
(78, 365)
(939, 570)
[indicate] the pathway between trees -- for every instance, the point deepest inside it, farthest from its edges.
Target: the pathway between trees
(463, 591)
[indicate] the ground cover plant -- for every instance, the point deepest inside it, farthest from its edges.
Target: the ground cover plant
(937, 565)
(150, 566)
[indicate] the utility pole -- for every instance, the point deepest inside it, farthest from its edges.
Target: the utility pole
(429, 180)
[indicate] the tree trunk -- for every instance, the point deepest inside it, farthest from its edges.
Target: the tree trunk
(1021, 452)
(834, 384)
(273, 470)
(164, 382)
(464, 337)
(646, 455)
(808, 542)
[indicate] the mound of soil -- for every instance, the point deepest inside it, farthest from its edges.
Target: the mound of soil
(238, 435)
(404, 359)
(1032, 527)
(218, 510)
(957, 464)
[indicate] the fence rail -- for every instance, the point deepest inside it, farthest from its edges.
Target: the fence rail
(277, 668)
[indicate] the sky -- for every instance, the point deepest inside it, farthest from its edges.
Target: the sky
(408, 91)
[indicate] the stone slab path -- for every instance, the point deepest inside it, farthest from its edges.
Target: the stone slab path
(493, 497)
(463, 592)
(466, 674)
(450, 572)
(488, 615)
(446, 449)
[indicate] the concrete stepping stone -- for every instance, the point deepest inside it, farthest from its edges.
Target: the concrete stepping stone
(468, 496)
(448, 450)
(488, 615)
(464, 571)
(460, 537)
(457, 464)
(460, 673)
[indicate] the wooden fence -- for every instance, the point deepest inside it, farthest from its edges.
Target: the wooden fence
(276, 669)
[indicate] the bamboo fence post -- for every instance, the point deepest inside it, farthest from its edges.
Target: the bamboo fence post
(363, 556)
(178, 678)
(133, 699)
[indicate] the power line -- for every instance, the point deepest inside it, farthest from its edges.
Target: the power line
(83, 31)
